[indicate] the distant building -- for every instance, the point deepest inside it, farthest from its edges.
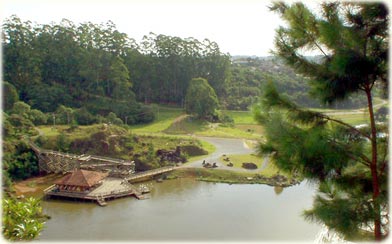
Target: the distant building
(80, 181)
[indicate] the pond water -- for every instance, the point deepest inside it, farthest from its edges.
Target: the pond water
(188, 210)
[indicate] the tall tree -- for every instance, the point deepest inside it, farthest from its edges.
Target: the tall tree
(353, 39)
(10, 96)
(201, 99)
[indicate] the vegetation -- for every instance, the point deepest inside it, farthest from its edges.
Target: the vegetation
(22, 220)
(118, 142)
(94, 70)
(349, 163)
(201, 100)
(249, 76)
(237, 160)
(222, 176)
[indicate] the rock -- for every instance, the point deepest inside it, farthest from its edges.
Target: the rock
(249, 166)
(207, 165)
(171, 155)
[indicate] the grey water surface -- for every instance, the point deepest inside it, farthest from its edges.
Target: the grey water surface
(188, 210)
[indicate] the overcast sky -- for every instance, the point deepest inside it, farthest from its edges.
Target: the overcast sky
(240, 27)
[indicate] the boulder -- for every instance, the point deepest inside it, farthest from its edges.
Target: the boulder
(249, 166)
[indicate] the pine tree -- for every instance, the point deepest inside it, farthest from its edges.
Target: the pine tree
(350, 164)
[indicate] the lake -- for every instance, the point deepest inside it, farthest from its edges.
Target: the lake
(188, 210)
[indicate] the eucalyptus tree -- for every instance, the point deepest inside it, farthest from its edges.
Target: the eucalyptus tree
(350, 163)
(21, 62)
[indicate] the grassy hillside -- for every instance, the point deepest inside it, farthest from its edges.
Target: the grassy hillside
(164, 118)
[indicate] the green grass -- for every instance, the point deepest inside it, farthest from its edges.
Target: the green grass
(352, 118)
(206, 146)
(272, 170)
(212, 175)
(188, 126)
(238, 159)
(250, 128)
(50, 131)
(241, 117)
(164, 118)
(221, 176)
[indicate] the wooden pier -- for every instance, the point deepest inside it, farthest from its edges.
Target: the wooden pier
(110, 188)
(148, 174)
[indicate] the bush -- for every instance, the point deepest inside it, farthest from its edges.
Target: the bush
(20, 161)
(84, 117)
(112, 118)
(193, 150)
(22, 220)
(10, 96)
(38, 117)
(146, 115)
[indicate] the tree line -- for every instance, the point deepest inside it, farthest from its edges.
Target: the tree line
(97, 70)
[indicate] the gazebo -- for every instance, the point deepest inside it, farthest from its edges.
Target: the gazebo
(80, 180)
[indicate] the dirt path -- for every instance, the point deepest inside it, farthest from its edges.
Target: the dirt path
(35, 186)
(225, 146)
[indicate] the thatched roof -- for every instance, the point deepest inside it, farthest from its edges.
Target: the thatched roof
(81, 177)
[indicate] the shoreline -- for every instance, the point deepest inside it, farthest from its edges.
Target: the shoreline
(34, 186)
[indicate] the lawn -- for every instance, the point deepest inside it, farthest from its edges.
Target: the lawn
(352, 118)
(173, 121)
(187, 126)
(238, 159)
(164, 118)
(241, 117)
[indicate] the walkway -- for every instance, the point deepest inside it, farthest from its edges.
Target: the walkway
(149, 173)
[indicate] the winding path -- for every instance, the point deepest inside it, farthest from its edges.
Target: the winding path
(225, 146)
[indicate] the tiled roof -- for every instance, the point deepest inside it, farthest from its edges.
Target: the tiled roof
(81, 177)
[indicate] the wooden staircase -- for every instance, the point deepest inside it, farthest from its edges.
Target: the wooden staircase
(101, 201)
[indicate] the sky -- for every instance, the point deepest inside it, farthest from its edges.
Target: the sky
(240, 27)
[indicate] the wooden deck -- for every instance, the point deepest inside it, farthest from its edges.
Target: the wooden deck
(111, 188)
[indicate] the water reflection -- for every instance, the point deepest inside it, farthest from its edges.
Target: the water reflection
(188, 210)
(278, 190)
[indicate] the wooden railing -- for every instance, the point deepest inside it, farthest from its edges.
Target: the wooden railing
(151, 173)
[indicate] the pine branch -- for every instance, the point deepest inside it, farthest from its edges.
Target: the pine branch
(326, 117)
(345, 124)
(365, 160)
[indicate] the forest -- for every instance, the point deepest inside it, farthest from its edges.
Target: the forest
(87, 73)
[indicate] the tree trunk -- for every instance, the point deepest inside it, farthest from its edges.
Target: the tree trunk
(373, 167)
